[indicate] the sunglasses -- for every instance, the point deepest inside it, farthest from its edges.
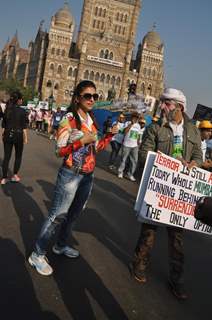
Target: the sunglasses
(89, 96)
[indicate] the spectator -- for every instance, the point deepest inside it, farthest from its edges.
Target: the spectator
(176, 136)
(77, 143)
(14, 134)
(130, 147)
(117, 140)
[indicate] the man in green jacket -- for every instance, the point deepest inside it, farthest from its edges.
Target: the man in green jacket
(175, 136)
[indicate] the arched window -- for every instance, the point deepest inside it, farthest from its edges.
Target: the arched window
(121, 17)
(153, 73)
(111, 56)
(56, 87)
(86, 74)
(150, 89)
(118, 81)
(63, 53)
(49, 84)
(91, 75)
(106, 54)
(143, 87)
(59, 69)
(104, 13)
(144, 71)
(149, 72)
(53, 51)
(125, 18)
(97, 76)
(113, 80)
(117, 16)
(101, 54)
(100, 12)
(70, 72)
(58, 52)
(96, 11)
(75, 73)
(102, 79)
(51, 67)
(108, 79)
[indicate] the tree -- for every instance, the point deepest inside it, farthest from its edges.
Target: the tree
(12, 85)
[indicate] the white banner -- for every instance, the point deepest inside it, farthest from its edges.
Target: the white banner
(43, 105)
(168, 192)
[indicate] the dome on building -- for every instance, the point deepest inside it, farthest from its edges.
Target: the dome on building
(152, 38)
(63, 16)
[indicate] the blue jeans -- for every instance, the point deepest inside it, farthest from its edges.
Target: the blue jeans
(70, 196)
(132, 155)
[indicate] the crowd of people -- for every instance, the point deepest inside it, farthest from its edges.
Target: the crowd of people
(46, 121)
(77, 144)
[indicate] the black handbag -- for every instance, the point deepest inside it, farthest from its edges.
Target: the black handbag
(203, 210)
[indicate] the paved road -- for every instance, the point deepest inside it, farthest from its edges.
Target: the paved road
(98, 284)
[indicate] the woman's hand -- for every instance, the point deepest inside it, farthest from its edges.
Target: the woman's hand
(88, 138)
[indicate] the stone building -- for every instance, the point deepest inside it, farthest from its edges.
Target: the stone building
(102, 52)
(13, 60)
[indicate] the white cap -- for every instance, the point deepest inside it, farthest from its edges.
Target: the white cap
(174, 94)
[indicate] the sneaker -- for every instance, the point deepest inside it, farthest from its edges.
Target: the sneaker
(15, 178)
(111, 167)
(4, 181)
(40, 263)
(120, 175)
(132, 178)
(178, 290)
(66, 251)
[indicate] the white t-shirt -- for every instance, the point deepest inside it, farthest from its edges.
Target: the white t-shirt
(132, 136)
(204, 148)
(120, 135)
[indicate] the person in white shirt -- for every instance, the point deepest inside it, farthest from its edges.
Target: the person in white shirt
(116, 142)
(205, 128)
(130, 147)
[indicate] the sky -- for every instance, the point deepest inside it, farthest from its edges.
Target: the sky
(185, 27)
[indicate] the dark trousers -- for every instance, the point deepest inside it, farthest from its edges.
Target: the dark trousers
(176, 253)
(116, 146)
(17, 141)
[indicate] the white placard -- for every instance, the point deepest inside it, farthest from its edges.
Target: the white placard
(169, 191)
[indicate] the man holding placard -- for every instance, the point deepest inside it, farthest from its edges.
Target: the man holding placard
(175, 136)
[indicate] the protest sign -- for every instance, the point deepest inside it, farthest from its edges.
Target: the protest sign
(43, 105)
(169, 191)
(202, 113)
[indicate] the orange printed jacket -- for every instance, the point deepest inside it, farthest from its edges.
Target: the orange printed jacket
(69, 146)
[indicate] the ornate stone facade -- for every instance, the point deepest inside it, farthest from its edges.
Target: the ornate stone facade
(102, 52)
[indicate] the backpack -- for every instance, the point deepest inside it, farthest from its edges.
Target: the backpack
(203, 210)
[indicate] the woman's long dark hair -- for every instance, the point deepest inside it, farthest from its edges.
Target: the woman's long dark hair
(11, 103)
(74, 106)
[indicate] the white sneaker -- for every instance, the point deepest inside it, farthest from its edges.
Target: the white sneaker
(15, 178)
(4, 181)
(40, 263)
(120, 175)
(67, 251)
(132, 178)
